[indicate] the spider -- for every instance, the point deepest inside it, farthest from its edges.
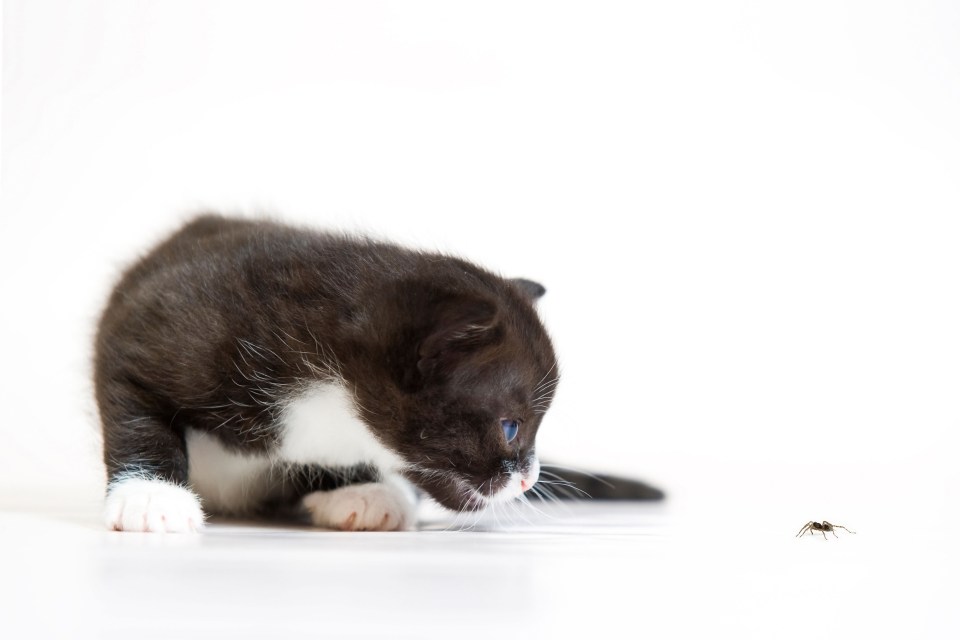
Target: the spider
(822, 527)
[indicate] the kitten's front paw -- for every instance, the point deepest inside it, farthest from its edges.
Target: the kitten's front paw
(361, 507)
(139, 504)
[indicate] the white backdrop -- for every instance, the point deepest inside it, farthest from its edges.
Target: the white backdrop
(747, 214)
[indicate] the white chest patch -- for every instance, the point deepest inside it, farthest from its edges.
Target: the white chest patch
(320, 426)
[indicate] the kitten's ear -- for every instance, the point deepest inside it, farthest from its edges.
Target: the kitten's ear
(532, 290)
(460, 325)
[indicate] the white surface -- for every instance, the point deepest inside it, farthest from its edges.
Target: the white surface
(584, 571)
(746, 217)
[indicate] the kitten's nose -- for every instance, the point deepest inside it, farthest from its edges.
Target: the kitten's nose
(531, 476)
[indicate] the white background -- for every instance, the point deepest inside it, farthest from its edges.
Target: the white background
(747, 216)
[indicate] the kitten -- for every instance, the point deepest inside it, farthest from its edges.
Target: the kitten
(253, 367)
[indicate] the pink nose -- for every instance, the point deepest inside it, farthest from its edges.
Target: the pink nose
(525, 484)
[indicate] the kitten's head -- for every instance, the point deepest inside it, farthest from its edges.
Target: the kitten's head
(479, 375)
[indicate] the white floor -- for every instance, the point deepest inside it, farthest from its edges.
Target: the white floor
(587, 570)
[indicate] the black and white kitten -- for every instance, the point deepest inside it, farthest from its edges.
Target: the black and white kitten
(248, 366)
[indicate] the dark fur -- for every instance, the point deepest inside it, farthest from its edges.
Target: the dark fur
(227, 318)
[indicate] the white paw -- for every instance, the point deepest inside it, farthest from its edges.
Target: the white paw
(140, 504)
(361, 507)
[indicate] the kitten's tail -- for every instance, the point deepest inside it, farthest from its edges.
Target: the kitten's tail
(568, 483)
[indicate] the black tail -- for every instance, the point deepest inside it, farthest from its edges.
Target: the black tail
(571, 484)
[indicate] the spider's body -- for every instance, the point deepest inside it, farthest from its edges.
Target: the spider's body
(822, 527)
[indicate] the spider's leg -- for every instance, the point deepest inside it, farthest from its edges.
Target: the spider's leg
(844, 528)
(834, 533)
(805, 528)
(825, 534)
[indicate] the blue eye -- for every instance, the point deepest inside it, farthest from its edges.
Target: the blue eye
(510, 429)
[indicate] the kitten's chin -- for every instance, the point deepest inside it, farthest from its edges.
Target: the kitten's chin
(450, 491)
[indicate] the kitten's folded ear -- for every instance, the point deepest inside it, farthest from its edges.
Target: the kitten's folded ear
(532, 290)
(460, 325)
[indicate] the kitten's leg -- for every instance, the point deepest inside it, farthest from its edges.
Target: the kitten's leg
(147, 474)
(369, 506)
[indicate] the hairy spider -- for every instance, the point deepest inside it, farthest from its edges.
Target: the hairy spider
(822, 527)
